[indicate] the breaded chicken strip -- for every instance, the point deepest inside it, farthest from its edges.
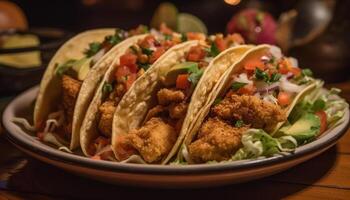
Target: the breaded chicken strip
(167, 96)
(156, 111)
(105, 123)
(154, 140)
(177, 110)
(252, 110)
(217, 140)
(70, 89)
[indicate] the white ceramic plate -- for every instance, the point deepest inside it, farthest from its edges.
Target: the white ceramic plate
(200, 175)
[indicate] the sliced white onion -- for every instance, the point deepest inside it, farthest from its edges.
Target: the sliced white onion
(269, 98)
(276, 52)
(243, 78)
(290, 87)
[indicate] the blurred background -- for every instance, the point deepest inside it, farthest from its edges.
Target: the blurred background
(314, 31)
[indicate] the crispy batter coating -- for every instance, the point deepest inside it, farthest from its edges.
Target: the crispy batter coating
(155, 112)
(177, 110)
(105, 123)
(250, 109)
(70, 88)
(167, 96)
(217, 140)
(154, 140)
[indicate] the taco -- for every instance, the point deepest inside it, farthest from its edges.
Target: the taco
(150, 121)
(70, 81)
(253, 97)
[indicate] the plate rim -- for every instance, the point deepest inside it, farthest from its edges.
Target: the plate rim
(54, 154)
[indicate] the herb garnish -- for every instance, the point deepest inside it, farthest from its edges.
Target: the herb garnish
(61, 69)
(237, 85)
(94, 47)
(239, 123)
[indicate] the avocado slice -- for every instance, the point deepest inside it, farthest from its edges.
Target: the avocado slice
(181, 68)
(82, 68)
(305, 129)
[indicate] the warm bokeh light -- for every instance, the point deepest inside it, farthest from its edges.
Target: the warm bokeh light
(233, 2)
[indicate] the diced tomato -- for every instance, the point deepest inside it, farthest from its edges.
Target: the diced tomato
(122, 149)
(234, 38)
(128, 59)
(196, 53)
(285, 67)
(130, 80)
(195, 36)
(182, 81)
(147, 41)
(252, 64)
(230, 92)
(156, 54)
(165, 29)
(122, 71)
(167, 44)
(283, 98)
(247, 89)
(220, 43)
(295, 71)
(323, 119)
(283, 70)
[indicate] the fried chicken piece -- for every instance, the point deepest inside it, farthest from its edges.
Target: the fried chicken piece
(154, 140)
(105, 123)
(155, 112)
(177, 110)
(70, 89)
(250, 109)
(217, 140)
(168, 96)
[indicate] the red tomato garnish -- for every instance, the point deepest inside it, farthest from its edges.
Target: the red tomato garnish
(156, 54)
(128, 59)
(323, 119)
(295, 71)
(122, 71)
(122, 149)
(167, 44)
(283, 98)
(195, 36)
(251, 65)
(165, 29)
(130, 80)
(147, 41)
(182, 81)
(196, 53)
(247, 89)
(220, 43)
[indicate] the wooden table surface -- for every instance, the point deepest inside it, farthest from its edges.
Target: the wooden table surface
(324, 177)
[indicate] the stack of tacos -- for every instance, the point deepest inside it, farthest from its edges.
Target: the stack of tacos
(161, 97)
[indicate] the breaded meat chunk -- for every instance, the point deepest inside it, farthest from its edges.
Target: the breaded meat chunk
(70, 89)
(252, 110)
(156, 111)
(106, 119)
(177, 110)
(154, 140)
(168, 96)
(217, 141)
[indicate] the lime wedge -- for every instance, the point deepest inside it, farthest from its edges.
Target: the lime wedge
(165, 13)
(190, 23)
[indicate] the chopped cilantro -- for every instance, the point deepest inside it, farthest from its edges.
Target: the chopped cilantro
(261, 75)
(107, 88)
(144, 66)
(61, 69)
(307, 72)
(237, 85)
(94, 47)
(275, 77)
(133, 49)
(239, 123)
(147, 51)
(217, 100)
(168, 37)
(213, 51)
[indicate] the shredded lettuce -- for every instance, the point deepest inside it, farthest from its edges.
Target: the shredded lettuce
(257, 143)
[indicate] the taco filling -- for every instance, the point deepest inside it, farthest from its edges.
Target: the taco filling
(71, 74)
(163, 122)
(258, 96)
